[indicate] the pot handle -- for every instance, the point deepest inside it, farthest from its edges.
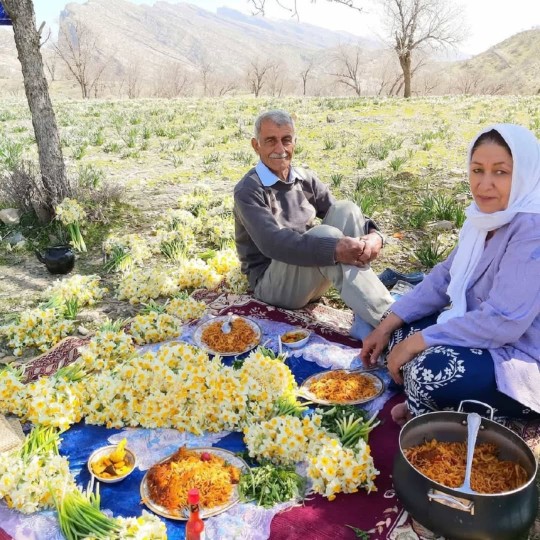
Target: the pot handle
(458, 503)
(488, 407)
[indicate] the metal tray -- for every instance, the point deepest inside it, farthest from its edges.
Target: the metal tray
(197, 336)
(182, 514)
(304, 392)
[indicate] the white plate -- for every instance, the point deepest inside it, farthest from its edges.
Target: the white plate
(104, 451)
(300, 342)
(197, 335)
(182, 514)
(304, 392)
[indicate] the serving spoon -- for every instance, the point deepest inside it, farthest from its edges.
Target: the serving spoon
(226, 327)
(473, 425)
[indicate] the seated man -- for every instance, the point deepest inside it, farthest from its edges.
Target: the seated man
(289, 261)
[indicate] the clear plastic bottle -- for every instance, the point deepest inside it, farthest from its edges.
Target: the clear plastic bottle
(194, 525)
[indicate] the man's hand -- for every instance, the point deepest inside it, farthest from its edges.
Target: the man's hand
(349, 251)
(372, 247)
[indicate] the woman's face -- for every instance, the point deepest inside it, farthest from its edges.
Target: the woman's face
(490, 177)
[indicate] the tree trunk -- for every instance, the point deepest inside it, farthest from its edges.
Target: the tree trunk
(27, 40)
(405, 62)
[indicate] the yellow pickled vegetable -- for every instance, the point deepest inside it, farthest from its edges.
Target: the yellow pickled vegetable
(114, 464)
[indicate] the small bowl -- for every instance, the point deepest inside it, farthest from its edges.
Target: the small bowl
(105, 450)
(300, 341)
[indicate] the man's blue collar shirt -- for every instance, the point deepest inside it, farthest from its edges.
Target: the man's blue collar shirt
(268, 178)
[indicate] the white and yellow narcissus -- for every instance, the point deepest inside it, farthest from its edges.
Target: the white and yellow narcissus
(106, 348)
(334, 469)
(28, 485)
(83, 289)
(154, 327)
(185, 309)
(179, 386)
(145, 527)
(39, 328)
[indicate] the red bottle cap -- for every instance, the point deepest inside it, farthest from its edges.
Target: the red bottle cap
(193, 496)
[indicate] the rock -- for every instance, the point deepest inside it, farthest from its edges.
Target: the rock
(10, 216)
(330, 119)
(14, 238)
(82, 330)
(457, 172)
(2, 354)
(89, 316)
(442, 225)
(7, 359)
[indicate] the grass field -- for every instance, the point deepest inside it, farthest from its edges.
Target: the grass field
(402, 161)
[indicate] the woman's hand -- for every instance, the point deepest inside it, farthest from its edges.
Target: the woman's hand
(374, 344)
(403, 353)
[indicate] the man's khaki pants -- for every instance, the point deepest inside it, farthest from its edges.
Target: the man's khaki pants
(292, 287)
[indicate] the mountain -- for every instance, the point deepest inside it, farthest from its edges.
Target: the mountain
(510, 67)
(181, 49)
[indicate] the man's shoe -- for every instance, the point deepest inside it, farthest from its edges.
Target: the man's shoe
(390, 277)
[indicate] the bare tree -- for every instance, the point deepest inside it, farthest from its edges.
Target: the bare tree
(133, 79)
(206, 69)
(51, 162)
(257, 74)
(413, 24)
(77, 47)
(306, 72)
(348, 67)
(173, 81)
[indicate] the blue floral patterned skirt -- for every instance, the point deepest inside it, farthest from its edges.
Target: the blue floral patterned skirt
(442, 376)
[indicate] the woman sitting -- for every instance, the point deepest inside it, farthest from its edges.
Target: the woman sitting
(486, 346)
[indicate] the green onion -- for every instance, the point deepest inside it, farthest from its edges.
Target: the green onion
(41, 440)
(79, 516)
(268, 485)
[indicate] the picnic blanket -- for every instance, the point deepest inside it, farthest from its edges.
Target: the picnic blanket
(380, 513)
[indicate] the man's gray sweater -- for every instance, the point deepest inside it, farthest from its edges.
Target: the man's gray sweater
(270, 222)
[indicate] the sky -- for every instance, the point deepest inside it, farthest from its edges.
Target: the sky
(487, 21)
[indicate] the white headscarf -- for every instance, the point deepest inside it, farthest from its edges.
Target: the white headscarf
(524, 197)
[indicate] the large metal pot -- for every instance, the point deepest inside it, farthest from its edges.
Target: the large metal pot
(447, 511)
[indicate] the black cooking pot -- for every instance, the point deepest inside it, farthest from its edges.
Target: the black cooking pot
(57, 259)
(447, 511)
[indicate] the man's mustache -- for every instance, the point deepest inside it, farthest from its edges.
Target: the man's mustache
(279, 156)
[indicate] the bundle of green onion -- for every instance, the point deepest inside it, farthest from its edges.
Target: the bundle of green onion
(268, 485)
(349, 423)
(79, 516)
(41, 440)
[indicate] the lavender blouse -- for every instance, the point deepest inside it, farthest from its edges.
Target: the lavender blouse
(503, 307)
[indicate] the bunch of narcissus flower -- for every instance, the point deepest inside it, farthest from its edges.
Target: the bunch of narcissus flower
(56, 400)
(147, 283)
(122, 253)
(219, 231)
(11, 390)
(108, 346)
(84, 290)
(179, 386)
(224, 261)
(31, 476)
(336, 469)
(176, 220)
(72, 215)
(145, 527)
(176, 244)
(195, 273)
(41, 328)
(185, 308)
(154, 327)
(235, 281)
(283, 440)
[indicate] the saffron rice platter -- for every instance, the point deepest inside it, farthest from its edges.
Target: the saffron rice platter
(215, 472)
(342, 387)
(244, 335)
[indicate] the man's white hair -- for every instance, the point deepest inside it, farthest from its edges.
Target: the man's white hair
(277, 116)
